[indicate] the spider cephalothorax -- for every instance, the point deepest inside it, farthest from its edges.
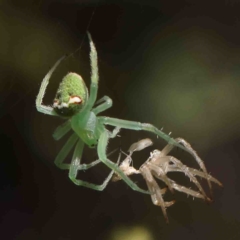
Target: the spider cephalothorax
(71, 95)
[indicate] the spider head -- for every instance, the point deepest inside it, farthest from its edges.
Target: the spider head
(71, 95)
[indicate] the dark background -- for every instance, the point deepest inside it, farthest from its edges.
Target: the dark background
(175, 64)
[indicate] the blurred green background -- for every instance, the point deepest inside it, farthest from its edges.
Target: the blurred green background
(174, 64)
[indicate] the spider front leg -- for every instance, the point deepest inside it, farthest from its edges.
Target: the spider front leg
(40, 107)
(94, 76)
(101, 148)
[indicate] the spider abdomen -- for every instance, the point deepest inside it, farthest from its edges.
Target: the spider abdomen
(71, 95)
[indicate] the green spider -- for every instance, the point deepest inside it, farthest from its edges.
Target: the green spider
(73, 102)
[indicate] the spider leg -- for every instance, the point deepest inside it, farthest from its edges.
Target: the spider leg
(195, 172)
(75, 166)
(156, 192)
(179, 142)
(67, 148)
(186, 190)
(166, 150)
(94, 163)
(114, 133)
(198, 160)
(160, 171)
(160, 174)
(94, 76)
(40, 107)
(183, 189)
(62, 130)
(101, 148)
(106, 103)
(64, 152)
(137, 126)
(187, 172)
